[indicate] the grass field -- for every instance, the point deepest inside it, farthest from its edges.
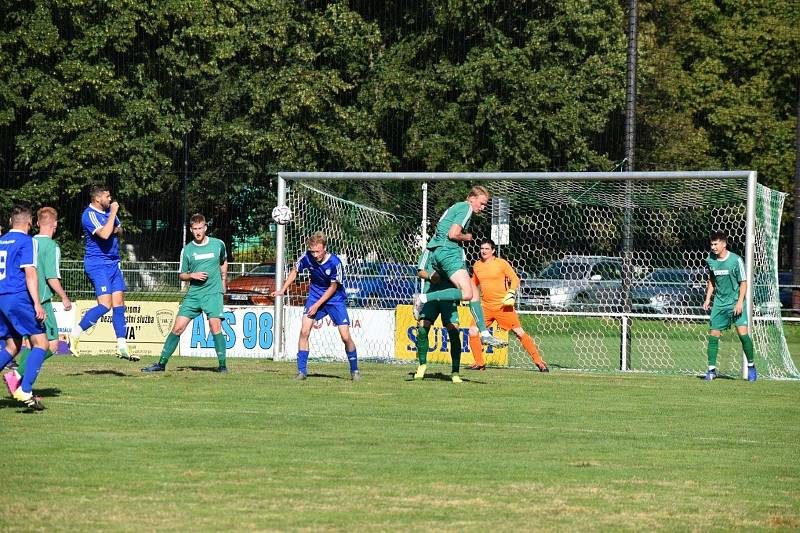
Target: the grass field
(507, 449)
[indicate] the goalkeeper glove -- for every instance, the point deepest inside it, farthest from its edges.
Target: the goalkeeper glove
(509, 299)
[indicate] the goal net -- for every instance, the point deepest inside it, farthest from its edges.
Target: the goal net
(612, 266)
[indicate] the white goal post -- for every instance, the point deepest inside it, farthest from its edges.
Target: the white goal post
(636, 225)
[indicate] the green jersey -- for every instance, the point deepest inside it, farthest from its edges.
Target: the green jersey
(460, 214)
(206, 257)
(725, 276)
(48, 259)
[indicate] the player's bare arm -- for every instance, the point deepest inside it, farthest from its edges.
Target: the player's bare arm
(107, 230)
(289, 280)
(456, 233)
(32, 282)
(322, 299)
(55, 284)
(709, 293)
(740, 301)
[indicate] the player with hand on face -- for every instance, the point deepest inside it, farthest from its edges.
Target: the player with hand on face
(101, 261)
(326, 297)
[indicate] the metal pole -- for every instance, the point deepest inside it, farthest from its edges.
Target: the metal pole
(796, 222)
(280, 256)
(630, 156)
(750, 237)
(184, 196)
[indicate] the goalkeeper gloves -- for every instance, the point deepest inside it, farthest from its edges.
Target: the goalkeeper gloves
(509, 299)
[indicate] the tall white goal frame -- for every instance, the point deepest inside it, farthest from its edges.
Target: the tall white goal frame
(627, 177)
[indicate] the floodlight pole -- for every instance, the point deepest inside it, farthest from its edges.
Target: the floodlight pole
(280, 255)
(630, 156)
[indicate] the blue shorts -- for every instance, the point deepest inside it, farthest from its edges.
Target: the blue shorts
(106, 279)
(18, 317)
(337, 312)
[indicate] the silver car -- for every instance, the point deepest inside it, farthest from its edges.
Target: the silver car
(575, 282)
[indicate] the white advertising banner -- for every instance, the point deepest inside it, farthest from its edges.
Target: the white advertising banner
(372, 331)
(249, 332)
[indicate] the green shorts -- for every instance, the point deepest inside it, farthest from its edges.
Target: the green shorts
(448, 260)
(722, 318)
(50, 323)
(447, 309)
(195, 304)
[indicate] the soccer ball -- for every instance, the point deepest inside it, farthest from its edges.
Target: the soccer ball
(282, 214)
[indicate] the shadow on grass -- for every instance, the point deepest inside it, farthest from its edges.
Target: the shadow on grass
(116, 373)
(440, 376)
(719, 376)
(197, 369)
(11, 403)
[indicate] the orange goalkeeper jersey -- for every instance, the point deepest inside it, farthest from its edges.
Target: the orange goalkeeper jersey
(495, 278)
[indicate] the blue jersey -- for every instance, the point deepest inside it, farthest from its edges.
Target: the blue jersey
(322, 274)
(99, 251)
(17, 251)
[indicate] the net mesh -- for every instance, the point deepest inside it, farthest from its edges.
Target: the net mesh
(582, 288)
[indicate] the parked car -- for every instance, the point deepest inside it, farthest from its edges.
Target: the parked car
(256, 288)
(785, 292)
(670, 290)
(575, 282)
(380, 285)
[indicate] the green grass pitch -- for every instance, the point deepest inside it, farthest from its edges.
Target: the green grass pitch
(508, 449)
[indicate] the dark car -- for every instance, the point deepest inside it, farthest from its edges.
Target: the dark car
(380, 285)
(256, 288)
(670, 291)
(785, 283)
(575, 282)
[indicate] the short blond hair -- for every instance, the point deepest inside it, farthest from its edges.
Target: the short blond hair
(317, 238)
(478, 190)
(46, 215)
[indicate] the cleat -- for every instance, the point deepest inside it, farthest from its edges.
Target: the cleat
(73, 346)
(455, 378)
(221, 370)
(752, 375)
(420, 373)
(542, 367)
(355, 376)
(12, 380)
(417, 309)
(476, 367)
(123, 353)
(300, 376)
(33, 402)
(155, 367)
(711, 374)
(490, 340)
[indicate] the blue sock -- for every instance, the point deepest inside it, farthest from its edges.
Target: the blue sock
(32, 367)
(92, 316)
(5, 358)
(118, 319)
(352, 358)
(302, 362)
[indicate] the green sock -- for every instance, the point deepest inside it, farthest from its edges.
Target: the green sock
(23, 357)
(446, 295)
(455, 348)
(170, 343)
(477, 313)
(747, 345)
(422, 345)
(713, 350)
(219, 346)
